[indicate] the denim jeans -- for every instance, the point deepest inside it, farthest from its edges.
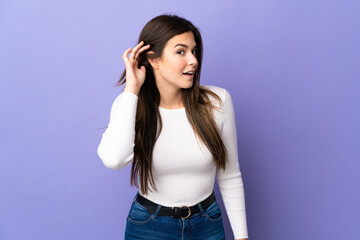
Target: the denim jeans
(205, 225)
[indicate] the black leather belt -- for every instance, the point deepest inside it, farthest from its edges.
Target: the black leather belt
(183, 212)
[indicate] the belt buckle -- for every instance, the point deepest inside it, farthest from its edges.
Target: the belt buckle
(188, 210)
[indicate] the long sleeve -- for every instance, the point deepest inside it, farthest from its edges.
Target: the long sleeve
(117, 142)
(230, 181)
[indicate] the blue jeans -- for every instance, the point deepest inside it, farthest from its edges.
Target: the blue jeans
(205, 225)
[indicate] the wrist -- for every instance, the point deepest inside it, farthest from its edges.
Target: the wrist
(132, 90)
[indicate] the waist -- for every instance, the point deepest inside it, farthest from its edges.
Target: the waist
(183, 212)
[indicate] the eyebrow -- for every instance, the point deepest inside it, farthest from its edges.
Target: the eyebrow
(183, 45)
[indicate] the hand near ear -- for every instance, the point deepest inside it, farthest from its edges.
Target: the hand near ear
(135, 77)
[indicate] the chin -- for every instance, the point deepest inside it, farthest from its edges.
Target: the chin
(188, 85)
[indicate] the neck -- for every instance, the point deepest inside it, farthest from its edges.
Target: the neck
(170, 96)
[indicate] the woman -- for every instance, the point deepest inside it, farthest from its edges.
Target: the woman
(178, 135)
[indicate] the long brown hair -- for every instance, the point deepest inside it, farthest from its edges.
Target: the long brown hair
(198, 106)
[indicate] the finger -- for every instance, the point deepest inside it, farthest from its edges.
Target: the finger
(141, 50)
(124, 56)
(132, 54)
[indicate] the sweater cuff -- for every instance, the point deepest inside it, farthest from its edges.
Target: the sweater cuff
(129, 94)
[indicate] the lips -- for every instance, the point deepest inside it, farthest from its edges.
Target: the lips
(189, 76)
(190, 73)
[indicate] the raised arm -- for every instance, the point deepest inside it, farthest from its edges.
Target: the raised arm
(117, 142)
(230, 181)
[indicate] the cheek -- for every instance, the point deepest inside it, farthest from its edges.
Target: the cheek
(179, 65)
(175, 64)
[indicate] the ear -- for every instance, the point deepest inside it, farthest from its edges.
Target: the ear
(154, 62)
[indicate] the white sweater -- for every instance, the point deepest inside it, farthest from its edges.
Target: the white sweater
(183, 168)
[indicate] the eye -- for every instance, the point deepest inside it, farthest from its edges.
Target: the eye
(180, 51)
(195, 52)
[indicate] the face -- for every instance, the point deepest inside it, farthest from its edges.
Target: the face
(178, 58)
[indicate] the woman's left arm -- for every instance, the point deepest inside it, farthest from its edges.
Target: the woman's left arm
(230, 180)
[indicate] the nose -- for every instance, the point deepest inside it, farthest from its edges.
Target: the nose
(192, 60)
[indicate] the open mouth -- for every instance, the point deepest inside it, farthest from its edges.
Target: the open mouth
(190, 73)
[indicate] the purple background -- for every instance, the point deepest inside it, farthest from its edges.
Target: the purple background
(292, 68)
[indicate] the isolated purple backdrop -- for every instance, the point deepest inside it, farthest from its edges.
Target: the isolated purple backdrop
(292, 68)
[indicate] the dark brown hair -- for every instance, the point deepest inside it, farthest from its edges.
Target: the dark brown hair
(198, 106)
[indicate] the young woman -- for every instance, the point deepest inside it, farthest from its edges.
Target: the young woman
(178, 135)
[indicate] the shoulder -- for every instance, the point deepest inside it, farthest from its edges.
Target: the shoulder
(225, 110)
(218, 90)
(221, 92)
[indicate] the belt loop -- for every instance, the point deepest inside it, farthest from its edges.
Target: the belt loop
(156, 211)
(201, 209)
